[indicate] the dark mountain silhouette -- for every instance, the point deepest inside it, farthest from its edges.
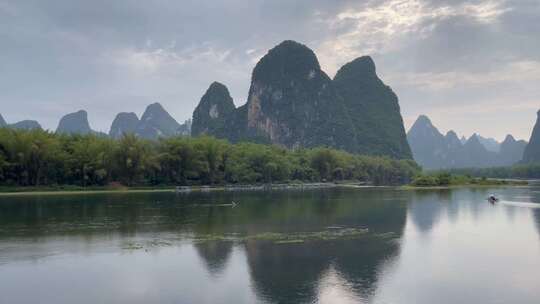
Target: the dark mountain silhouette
(374, 110)
(293, 103)
(432, 150)
(490, 144)
(124, 123)
(156, 123)
(511, 150)
(26, 125)
(74, 123)
(213, 110)
(2, 121)
(532, 151)
(428, 145)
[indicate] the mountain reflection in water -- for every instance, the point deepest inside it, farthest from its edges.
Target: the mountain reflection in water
(379, 245)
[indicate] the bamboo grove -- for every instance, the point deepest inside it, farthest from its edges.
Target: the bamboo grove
(41, 158)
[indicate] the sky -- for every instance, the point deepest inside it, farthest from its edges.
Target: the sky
(471, 66)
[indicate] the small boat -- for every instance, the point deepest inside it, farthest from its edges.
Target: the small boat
(492, 199)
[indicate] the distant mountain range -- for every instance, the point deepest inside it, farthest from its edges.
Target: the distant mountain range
(21, 125)
(293, 103)
(433, 150)
(155, 123)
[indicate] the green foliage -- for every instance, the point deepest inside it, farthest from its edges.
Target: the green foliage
(36, 158)
(521, 171)
(442, 179)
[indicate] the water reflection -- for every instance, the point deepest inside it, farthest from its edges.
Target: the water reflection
(420, 247)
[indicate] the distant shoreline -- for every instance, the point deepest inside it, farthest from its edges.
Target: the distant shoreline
(21, 191)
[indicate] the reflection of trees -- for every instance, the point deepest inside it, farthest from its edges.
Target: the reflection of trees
(280, 272)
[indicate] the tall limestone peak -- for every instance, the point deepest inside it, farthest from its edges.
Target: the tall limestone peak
(373, 108)
(156, 123)
(2, 121)
(511, 150)
(423, 127)
(123, 123)
(215, 107)
(26, 125)
(428, 145)
(288, 60)
(74, 123)
(532, 152)
(452, 139)
(293, 103)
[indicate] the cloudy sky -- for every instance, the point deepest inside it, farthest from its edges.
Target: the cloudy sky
(472, 66)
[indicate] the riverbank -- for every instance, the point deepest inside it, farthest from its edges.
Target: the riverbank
(60, 190)
(445, 181)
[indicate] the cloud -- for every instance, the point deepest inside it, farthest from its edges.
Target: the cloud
(62, 55)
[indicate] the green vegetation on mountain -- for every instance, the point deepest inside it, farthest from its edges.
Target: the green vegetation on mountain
(36, 157)
(210, 115)
(294, 104)
(373, 108)
(124, 123)
(532, 152)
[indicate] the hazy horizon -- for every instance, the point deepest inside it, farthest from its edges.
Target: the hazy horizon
(471, 66)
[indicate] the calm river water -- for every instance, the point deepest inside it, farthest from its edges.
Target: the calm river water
(376, 245)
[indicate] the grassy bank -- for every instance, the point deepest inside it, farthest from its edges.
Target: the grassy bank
(447, 180)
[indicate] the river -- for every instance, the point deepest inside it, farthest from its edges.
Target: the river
(372, 245)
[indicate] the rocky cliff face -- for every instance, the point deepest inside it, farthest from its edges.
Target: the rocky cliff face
(374, 110)
(74, 123)
(124, 123)
(26, 125)
(213, 110)
(532, 152)
(2, 122)
(156, 123)
(432, 150)
(293, 103)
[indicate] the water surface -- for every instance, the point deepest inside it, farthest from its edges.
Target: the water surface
(378, 245)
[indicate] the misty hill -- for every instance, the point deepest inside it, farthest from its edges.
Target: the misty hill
(532, 152)
(156, 123)
(21, 125)
(293, 103)
(490, 144)
(124, 123)
(26, 125)
(432, 150)
(74, 123)
(185, 128)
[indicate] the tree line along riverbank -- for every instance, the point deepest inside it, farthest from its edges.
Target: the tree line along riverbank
(43, 159)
